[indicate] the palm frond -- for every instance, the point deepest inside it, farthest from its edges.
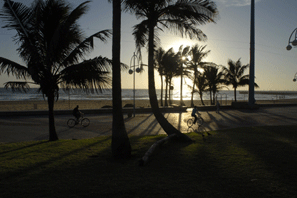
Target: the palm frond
(91, 75)
(85, 46)
(63, 32)
(140, 33)
(17, 86)
(12, 68)
(17, 16)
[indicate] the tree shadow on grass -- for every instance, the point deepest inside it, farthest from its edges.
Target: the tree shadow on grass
(264, 155)
(34, 143)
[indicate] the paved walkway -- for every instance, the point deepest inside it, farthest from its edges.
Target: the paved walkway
(20, 128)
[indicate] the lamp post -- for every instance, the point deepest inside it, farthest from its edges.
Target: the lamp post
(132, 71)
(291, 41)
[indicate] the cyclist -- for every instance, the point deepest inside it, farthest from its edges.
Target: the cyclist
(76, 113)
(195, 110)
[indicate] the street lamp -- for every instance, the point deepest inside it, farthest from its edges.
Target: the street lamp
(295, 77)
(291, 41)
(132, 71)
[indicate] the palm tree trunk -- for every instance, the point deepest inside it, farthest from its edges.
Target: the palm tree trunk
(194, 83)
(167, 127)
(201, 98)
(169, 92)
(52, 129)
(213, 97)
(181, 86)
(235, 94)
(166, 90)
(210, 97)
(161, 90)
(120, 145)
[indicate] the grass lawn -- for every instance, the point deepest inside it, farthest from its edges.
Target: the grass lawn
(243, 162)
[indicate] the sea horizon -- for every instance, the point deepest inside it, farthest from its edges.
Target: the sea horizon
(142, 94)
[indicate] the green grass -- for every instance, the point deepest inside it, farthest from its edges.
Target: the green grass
(244, 162)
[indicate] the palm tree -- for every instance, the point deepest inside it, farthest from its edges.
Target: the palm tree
(197, 54)
(201, 84)
(120, 145)
(181, 15)
(234, 75)
(160, 68)
(53, 47)
(215, 78)
(170, 65)
(182, 59)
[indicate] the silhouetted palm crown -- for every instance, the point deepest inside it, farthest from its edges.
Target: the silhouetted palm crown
(53, 46)
(181, 16)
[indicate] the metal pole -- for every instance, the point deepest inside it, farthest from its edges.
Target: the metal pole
(252, 56)
(134, 85)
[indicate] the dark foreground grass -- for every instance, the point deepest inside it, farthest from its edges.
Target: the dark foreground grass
(244, 162)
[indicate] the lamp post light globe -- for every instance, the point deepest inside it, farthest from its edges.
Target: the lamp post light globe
(292, 40)
(130, 71)
(289, 47)
(138, 70)
(294, 43)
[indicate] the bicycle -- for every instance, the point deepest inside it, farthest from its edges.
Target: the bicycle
(200, 129)
(83, 121)
(199, 121)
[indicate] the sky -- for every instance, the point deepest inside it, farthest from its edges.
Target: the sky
(228, 38)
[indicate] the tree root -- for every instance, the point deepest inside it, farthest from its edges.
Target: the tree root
(144, 160)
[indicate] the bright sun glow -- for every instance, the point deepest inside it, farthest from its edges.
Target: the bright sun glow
(175, 44)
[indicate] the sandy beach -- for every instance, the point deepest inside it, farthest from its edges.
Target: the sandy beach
(97, 104)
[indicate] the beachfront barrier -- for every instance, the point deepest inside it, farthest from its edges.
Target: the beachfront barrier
(276, 95)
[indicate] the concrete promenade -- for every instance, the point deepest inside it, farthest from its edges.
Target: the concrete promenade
(35, 127)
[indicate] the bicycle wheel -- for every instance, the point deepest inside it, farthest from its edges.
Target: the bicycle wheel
(200, 121)
(85, 122)
(71, 123)
(190, 130)
(190, 122)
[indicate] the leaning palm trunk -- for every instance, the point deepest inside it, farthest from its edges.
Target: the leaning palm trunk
(235, 94)
(167, 127)
(120, 145)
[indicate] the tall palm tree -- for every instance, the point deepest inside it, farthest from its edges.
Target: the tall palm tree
(201, 84)
(182, 59)
(52, 45)
(234, 75)
(170, 65)
(215, 80)
(120, 145)
(180, 15)
(197, 54)
(160, 68)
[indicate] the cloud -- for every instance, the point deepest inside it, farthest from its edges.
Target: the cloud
(229, 3)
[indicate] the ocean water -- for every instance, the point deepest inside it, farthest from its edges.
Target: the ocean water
(127, 94)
